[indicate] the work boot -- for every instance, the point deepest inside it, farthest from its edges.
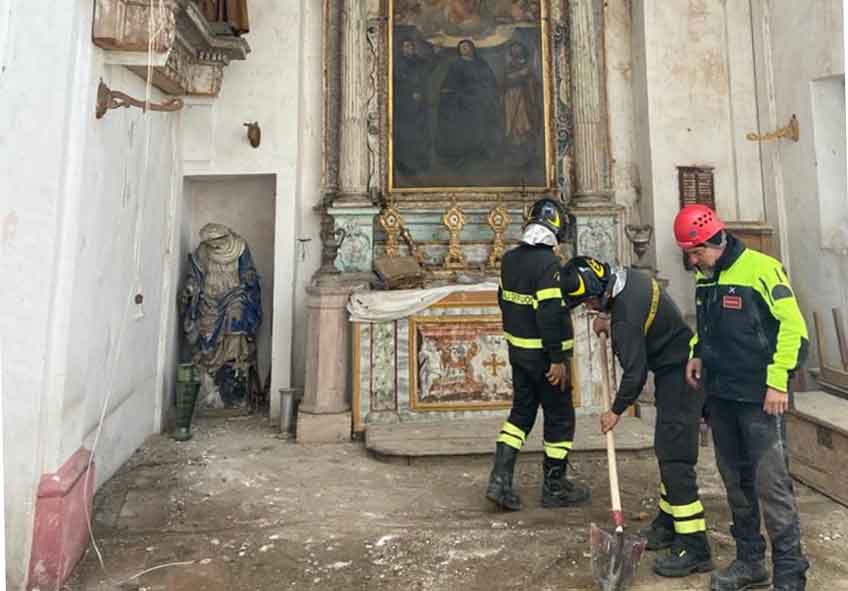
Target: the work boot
(689, 554)
(500, 490)
(793, 585)
(660, 534)
(741, 574)
(557, 490)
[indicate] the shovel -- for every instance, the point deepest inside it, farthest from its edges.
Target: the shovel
(615, 556)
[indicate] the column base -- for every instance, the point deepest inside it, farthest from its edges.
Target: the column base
(323, 428)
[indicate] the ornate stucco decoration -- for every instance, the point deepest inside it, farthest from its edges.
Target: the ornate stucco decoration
(188, 57)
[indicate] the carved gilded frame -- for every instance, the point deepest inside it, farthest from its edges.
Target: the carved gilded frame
(557, 102)
(546, 93)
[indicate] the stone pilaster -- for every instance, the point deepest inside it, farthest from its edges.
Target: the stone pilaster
(591, 138)
(353, 140)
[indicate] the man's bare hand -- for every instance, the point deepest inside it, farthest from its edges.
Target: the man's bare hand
(694, 371)
(608, 421)
(601, 324)
(557, 375)
(776, 403)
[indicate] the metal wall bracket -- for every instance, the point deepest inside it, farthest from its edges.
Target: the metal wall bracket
(108, 99)
(790, 132)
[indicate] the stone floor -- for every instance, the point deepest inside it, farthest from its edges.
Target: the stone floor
(239, 509)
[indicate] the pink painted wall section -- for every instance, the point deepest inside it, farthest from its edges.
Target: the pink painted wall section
(61, 521)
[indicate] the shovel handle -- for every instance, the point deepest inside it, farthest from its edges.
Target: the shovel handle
(615, 494)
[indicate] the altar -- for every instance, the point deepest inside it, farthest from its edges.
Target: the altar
(442, 127)
(439, 354)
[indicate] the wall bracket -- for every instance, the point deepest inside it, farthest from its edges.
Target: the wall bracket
(108, 99)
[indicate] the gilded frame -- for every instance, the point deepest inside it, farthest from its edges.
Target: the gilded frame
(547, 90)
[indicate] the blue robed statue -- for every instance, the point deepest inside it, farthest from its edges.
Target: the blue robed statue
(221, 310)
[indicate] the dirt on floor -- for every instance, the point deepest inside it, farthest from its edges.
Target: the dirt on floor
(239, 508)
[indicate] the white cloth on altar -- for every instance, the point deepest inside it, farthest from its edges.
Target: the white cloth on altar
(386, 306)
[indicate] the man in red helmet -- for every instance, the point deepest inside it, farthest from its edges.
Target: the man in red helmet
(751, 338)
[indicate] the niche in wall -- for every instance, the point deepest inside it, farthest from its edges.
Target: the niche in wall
(246, 204)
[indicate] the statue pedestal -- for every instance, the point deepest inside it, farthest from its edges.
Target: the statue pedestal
(324, 414)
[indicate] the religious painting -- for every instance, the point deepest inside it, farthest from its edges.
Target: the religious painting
(459, 363)
(468, 88)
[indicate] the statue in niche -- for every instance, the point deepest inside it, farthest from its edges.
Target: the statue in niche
(221, 309)
(233, 13)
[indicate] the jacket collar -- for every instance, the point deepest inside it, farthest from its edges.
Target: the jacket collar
(731, 254)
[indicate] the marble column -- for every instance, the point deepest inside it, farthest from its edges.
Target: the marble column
(588, 76)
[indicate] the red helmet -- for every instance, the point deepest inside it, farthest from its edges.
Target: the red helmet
(695, 224)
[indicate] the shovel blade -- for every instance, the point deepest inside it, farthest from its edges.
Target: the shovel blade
(615, 557)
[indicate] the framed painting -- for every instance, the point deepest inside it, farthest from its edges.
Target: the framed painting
(469, 96)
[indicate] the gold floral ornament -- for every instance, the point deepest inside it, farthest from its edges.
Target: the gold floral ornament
(454, 220)
(392, 223)
(498, 221)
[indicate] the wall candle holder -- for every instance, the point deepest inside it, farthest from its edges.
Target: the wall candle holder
(108, 99)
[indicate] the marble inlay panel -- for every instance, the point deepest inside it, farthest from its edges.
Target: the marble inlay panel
(383, 365)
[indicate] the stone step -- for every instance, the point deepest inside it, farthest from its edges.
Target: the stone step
(477, 437)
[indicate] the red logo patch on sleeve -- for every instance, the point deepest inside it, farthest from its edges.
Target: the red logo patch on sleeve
(731, 302)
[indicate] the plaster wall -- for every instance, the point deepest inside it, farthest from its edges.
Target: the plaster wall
(75, 194)
(803, 53)
(696, 99)
(278, 86)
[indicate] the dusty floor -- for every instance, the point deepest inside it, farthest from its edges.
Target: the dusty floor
(238, 508)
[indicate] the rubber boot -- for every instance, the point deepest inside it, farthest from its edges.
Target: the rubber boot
(793, 585)
(741, 574)
(689, 554)
(660, 534)
(557, 490)
(500, 489)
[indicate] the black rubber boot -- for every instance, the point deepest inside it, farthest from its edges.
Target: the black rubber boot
(500, 489)
(689, 554)
(740, 575)
(557, 490)
(660, 534)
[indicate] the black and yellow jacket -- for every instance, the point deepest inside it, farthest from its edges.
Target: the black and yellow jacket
(751, 334)
(536, 324)
(648, 332)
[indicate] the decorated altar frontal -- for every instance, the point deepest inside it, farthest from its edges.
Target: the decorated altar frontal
(439, 354)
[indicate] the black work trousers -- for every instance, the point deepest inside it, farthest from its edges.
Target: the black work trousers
(751, 455)
(532, 389)
(679, 409)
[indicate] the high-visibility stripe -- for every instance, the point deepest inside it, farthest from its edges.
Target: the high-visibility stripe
(562, 444)
(686, 511)
(665, 507)
(510, 440)
(691, 526)
(523, 343)
(655, 302)
(511, 429)
(548, 294)
(556, 453)
(518, 298)
(663, 491)
(692, 343)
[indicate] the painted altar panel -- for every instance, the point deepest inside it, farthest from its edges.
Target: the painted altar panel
(459, 363)
(469, 88)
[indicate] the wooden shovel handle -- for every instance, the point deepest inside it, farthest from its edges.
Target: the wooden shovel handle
(615, 494)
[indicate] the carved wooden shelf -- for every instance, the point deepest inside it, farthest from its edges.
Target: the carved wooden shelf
(189, 53)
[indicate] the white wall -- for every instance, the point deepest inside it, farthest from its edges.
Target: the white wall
(803, 42)
(75, 193)
(245, 205)
(280, 87)
(695, 98)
